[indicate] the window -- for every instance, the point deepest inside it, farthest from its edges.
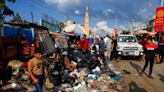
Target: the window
(127, 39)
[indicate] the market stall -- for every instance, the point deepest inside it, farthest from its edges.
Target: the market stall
(12, 49)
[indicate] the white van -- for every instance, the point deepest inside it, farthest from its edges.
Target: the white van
(127, 45)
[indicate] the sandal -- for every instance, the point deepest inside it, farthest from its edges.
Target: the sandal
(150, 76)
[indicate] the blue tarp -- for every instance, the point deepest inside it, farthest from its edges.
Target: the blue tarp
(13, 32)
(9, 32)
(27, 34)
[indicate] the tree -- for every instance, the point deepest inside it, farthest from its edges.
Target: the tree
(60, 25)
(17, 18)
(25, 20)
(5, 10)
(11, 1)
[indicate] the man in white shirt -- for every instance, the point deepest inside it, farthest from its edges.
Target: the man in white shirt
(108, 46)
(106, 38)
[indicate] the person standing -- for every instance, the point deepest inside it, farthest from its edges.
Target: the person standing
(108, 47)
(114, 54)
(101, 47)
(90, 39)
(93, 49)
(161, 49)
(106, 38)
(150, 51)
(37, 71)
(143, 43)
(85, 44)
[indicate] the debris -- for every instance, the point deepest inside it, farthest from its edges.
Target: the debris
(126, 72)
(79, 73)
(48, 84)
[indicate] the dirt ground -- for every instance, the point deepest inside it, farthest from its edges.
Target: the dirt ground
(132, 82)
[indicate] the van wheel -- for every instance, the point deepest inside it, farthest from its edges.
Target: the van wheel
(1, 83)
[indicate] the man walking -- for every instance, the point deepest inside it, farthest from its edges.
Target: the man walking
(150, 50)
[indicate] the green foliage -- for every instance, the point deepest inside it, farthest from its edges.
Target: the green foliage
(5, 9)
(17, 18)
(11, 1)
(60, 25)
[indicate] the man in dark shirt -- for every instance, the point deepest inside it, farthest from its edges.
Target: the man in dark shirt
(101, 46)
(114, 54)
(161, 49)
(150, 50)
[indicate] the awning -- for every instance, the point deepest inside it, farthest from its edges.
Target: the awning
(57, 35)
(24, 24)
(141, 32)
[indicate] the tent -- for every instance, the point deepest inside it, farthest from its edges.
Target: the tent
(141, 32)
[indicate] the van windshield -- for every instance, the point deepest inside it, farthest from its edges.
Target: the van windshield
(127, 39)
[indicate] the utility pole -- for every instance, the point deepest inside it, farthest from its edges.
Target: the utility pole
(115, 21)
(32, 17)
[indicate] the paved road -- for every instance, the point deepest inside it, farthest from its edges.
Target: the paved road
(134, 83)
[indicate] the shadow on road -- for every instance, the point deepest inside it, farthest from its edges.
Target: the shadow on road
(133, 87)
(135, 66)
(130, 58)
(161, 77)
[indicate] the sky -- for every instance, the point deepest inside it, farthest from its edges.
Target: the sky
(108, 13)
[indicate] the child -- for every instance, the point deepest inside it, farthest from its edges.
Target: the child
(37, 71)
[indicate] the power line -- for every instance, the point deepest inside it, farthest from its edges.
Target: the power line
(35, 5)
(65, 14)
(41, 4)
(45, 5)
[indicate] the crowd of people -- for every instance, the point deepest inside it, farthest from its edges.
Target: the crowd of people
(103, 46)
(107, 45)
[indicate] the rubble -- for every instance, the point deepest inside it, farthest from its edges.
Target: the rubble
(78, 75)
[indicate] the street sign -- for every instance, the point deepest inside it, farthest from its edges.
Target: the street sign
(159, 21)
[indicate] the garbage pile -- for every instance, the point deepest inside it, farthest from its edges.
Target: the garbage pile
(85, 73)
(75, 71)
